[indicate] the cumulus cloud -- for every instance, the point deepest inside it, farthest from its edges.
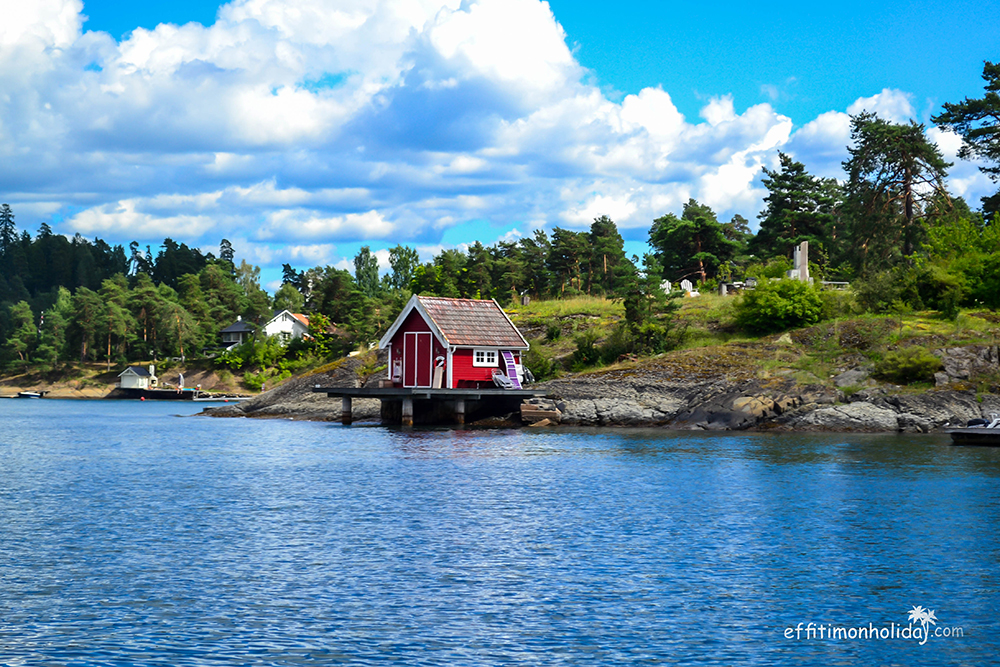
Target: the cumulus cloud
(296, 127)
(894, 105)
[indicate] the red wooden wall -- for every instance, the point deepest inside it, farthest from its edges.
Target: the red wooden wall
(413, 322)
(464, 374)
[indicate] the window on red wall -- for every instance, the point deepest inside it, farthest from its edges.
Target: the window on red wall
(481, 357)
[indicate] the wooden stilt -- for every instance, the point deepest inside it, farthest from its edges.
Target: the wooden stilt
(346, 415)
(460, 411)
(407, 411)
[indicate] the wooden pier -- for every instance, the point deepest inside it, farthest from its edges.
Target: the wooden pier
(430, 406)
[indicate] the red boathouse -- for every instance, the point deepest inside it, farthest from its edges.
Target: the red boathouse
(453, 344)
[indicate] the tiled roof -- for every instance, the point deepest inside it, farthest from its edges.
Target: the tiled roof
(472, 322)
(141, 371)
(237, 327)
(301, 318)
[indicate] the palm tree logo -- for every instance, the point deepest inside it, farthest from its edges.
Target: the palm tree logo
(922, 616)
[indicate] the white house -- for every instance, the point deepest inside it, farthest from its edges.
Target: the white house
(137, 377)
(287, 325)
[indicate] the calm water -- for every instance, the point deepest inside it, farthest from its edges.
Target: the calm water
(130, 535)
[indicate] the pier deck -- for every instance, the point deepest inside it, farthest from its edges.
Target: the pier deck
(432, 400)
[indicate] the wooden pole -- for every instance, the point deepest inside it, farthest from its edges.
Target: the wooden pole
(346, 415)
(407, 411)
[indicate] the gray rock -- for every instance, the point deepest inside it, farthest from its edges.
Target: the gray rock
(852, 378)
(851, 417)
(938, 408)
(963, 363)
(612, 411)
(914, 423)
(579, 411)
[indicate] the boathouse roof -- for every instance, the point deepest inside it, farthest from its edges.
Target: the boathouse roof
(136, 370)
(462, 322)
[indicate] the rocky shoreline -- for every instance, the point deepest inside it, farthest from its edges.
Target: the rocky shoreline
(716, 393)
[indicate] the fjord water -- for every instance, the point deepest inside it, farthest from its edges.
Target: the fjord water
(133, 535)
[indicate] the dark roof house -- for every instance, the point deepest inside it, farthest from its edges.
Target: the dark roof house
(236, 333)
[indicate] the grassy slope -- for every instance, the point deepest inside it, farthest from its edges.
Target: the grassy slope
(814, 355)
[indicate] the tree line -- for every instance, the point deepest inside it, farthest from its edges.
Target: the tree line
(890, 226)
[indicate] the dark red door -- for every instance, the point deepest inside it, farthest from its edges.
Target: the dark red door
(424, 362)
(417, 359)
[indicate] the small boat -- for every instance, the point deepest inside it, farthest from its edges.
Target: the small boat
(978, 432)
(30, 394)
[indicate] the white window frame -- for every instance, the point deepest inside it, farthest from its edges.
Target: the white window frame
(491, 358)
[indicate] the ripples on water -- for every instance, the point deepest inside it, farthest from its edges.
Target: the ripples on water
(132, 536)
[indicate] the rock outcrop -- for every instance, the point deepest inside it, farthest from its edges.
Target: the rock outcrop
(686, 391)
(960, 364)
(295, 398)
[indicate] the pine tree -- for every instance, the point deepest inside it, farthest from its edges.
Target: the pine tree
(52, 329)
(366, 271)
(568, 252)
(22, 339)
(477, 282)
(533, 255)
(978, 121)
(403, 260)
(607, 256)
(895, 182)
(693, 245)
(799, 207)
(8, 232)
(88, 311)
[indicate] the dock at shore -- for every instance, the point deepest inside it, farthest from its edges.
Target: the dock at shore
(420, 405)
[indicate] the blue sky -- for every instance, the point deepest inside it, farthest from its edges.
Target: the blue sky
(302, 129)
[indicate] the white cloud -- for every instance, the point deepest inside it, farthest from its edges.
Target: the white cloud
(719, 110)
(123, 218)
(947, 142)
(298, 224)
(615, 207)
(40, 23)
(511, 41)
(289, 126)
(894, 105)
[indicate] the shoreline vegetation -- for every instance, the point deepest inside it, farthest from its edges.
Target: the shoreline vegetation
(909, 344)
(832, 376)
(849, 373)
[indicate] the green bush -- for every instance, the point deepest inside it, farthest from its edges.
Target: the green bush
(586, 353)
(941, 289)
(776, 267)
(837, 303)
(910, 364)
(883, 292)
(777, 305)
(254, 381)
(983, 278)
(540, 366)
(233, 359)
(619, 343)
(552, 332)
